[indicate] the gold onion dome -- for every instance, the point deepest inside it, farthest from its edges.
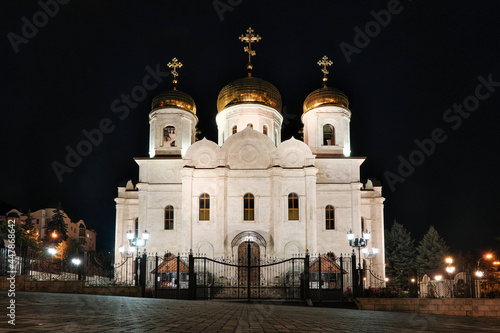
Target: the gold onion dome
(249, 90)
(325, 96)
(174, 99)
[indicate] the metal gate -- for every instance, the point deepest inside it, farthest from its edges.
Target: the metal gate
(253, 278)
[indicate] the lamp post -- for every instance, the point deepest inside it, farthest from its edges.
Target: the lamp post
(137, 242)
(52, 251)
(359, 243)
(450, 269)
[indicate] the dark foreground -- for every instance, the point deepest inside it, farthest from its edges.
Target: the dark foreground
(45, 312)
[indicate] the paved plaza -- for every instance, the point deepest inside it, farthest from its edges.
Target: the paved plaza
(44, 312)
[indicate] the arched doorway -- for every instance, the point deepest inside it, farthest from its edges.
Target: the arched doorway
(248, 262)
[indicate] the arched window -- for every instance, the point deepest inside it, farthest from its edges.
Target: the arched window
(293, 206)
(169, 218)
(264, 130)
(235, 129)
(248, 207)
(169, 136)
(204, 207)
(362, 224)
(250, 125)
(136, 227)
(330, 217)
(328, 135)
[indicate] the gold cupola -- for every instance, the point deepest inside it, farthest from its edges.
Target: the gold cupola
(249, 90)
(325, 95)
(174, 98)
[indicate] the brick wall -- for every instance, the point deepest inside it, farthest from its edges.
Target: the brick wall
(469, 307)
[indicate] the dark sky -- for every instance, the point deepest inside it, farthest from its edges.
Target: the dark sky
(401, 80)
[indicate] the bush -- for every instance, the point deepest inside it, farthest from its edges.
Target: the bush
(384, 292)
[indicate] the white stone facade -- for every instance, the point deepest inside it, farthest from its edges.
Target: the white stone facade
(249, 162)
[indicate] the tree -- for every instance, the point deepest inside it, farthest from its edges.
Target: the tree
(432, 250)
(67, 248)
(28, 222)
(57, 226)
(400, 254)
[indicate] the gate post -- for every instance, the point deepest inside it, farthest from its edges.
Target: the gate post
(249, 257)
(355, 279)
(306, 276)
(178, 276)
(142, 277)
(341, 280)
(319, 276)
(156, 275)
(192, 281)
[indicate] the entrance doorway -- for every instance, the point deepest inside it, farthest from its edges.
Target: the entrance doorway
(248, 262)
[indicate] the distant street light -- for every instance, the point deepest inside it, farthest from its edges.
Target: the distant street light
(76, 261)
(52, 251)
(479, 274)
(438, 277)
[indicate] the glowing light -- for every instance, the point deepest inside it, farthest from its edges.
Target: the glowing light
(438, 277)
(412, 280)
(145, 235)
(366, 235)
(479, 274)
(141, 242)
(54, 234)
(488, 256)
(496, 262)
(121, 249)
(449, 260)
(130, 235)
(52, 250)
(76, 261)
(450, 269)
(350, 235)
(386, 279)
(347, 152)
(375, 250)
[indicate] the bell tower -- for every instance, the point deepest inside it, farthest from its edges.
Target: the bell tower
(326, 119)
(172, 120)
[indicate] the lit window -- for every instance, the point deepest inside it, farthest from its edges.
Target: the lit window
(362, 224)
(235, 129)
(248, 207)
(250, 125)
(136, 227)
(264, 130)
(169, 136)
(330, 217)
(293, 206)
(328, 135)
(204, 207)
(169, 218)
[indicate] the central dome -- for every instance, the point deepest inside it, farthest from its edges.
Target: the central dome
(249, 90)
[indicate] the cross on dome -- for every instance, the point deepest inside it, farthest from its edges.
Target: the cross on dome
(174, 64)
(325, 62)
(250, 38)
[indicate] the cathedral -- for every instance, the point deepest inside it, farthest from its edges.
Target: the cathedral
(285, 198)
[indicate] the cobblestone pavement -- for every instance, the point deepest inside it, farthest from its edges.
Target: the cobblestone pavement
(44, 312)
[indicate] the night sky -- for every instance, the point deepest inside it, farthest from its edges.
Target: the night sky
(402, 79)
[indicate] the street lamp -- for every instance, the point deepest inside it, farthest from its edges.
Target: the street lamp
(134, 241)
(359, 243)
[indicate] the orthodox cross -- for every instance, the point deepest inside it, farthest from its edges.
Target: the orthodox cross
(175, 64)
(325, 62)
(250, 38)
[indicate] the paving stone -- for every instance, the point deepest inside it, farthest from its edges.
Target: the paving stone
(43, 312)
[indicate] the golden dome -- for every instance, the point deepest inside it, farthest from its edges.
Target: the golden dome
(175, 99)
(249, 90)
(325, 96)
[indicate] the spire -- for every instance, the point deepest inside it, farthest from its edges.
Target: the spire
(174, 64)
(325, 62)
(250, 38)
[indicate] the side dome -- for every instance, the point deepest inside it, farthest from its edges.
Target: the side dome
(249, 90)
(173, 98)
(325, 96)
